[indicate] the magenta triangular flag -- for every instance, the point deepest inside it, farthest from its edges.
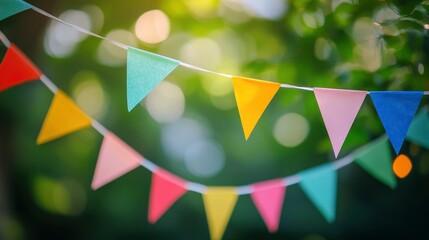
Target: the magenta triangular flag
(166, 189)
(339, 109)
(115, 159)
(268, 198)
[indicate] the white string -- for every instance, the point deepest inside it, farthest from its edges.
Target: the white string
(152, 167)
(100, 128)
(83, 30)
(49, 84)
(284, 85)
(186, 65)
(124, 46)
(4, 40)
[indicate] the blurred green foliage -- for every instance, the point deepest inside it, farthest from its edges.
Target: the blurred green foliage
(372, 45)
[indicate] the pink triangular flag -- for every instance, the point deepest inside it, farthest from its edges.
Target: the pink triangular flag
(339, 109)
(166, 189)
(268, 198)
(115, 159)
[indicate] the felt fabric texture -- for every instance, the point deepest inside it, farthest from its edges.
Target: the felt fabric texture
(396, 111)
(145, 70)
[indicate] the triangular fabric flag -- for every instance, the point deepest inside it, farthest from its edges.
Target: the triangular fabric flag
(114, 160)
(219, 202)
(419, 129)
(376, 159)
(396, 111)
(16, 68)
(64, 117)
(268, 198)
(12, 7)
(339, 109)
(253, 97)
(145, 70)
(320, 185)
(166, 188)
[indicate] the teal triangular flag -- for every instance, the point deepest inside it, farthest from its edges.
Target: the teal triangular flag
(320, 185)
(12, 7)
(145, 70)
(396, 111)
(376, 159)
(419, 129)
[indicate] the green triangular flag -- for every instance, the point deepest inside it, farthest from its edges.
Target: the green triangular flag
(12, 7)
(145, 70)
(419, 129)
(376, 159)
(320, 185)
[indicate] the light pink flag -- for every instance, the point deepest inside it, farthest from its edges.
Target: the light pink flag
(115, 159)
(166, 188)
(339, 109)
(268, 198)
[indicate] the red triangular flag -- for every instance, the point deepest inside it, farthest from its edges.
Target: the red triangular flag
(16, 69)
(268, 198)
(115, 159)
(166, 189)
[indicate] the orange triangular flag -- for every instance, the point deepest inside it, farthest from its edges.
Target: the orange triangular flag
(64, 117)
(16, 69)
(253, 97)
(115, 159)
(219, 203)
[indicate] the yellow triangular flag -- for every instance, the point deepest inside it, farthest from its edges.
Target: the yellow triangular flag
(219, 203)
(253, 97)
(64, 117)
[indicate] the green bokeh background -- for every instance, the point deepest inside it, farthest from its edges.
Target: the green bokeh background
(45, 190)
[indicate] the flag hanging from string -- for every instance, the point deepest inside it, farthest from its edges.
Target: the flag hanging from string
(339, 109)
(12, 7)
(253, 97)
(145, 70)
(115, 159)
(165, 190)
(376, 159)
(64, 117)
(16, 69)
(396, 111)
(268, 198)
(320, 185)
(219, 202)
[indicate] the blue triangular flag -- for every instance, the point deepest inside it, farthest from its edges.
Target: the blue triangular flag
(145, 70)
(419, 129)
(12, 7)
(320, 185)
(396, 111)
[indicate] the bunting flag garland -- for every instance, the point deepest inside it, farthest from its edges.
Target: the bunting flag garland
(64, 117)
(16, 68)
(12, 7)
(253, 97)
(396, 111)
(145, 70)
(377, 161)
(115, 159)
(166, 189)
(268, 198)
(339, 109)
(419, 129)
(219, 202)
(320, 185)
